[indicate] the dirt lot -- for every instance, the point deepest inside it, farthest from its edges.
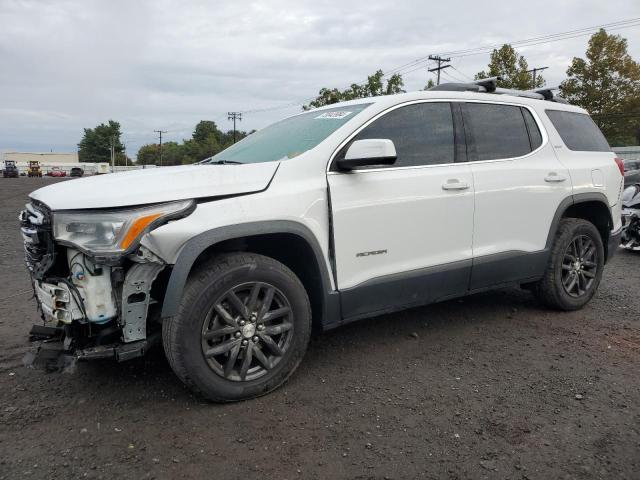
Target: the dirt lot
(492, 386)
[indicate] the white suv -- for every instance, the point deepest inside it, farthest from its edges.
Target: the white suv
(344, 212)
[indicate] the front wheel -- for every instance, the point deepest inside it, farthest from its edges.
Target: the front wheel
(575, 266)
(242, 327)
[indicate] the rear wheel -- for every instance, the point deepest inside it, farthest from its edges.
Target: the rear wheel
(242, 327)
(575, 266)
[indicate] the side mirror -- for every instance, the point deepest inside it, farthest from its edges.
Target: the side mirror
(371, 152)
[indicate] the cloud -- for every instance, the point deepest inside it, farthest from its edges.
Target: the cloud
(71, 64)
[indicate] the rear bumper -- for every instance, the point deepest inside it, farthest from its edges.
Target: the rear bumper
(613, 243)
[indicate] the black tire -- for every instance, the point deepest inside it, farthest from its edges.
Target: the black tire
(552, 289)
(204, 304)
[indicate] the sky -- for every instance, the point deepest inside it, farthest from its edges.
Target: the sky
(165, 65)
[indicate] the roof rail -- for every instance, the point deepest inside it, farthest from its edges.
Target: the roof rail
(490, 85)
(485, 85)
(547, 93)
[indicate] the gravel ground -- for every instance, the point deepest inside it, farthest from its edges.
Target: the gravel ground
(492, 386)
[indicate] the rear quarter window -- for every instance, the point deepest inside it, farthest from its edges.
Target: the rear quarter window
(578, 131)
(535, 137)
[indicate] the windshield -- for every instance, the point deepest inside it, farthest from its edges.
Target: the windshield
(289, 137)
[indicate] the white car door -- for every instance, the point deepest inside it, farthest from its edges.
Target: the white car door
(402, 234)
(519, 185)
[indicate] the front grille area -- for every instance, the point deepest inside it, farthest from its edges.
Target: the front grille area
(35, 225)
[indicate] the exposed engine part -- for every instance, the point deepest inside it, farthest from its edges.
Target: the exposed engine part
(631, 218)
(58, 302)
(94, 285)
(144, 255)
(39, 249)
(136, 298)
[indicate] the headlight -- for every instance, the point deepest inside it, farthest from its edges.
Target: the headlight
(114, 232)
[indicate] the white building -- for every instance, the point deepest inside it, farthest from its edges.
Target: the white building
(48, 160)
(44, 158)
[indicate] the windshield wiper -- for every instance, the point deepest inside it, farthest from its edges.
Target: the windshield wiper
(224, 162)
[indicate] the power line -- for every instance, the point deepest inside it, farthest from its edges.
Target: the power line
(462, 73)
(416, 64)
(533, 41)
(160, 132)
(454, 78)
(549, 38)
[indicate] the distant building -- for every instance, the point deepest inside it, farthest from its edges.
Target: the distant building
(44, 158)
(627, 153)
(64, 161)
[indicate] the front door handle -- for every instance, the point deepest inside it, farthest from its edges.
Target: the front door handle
(554, 177)
(454, 184)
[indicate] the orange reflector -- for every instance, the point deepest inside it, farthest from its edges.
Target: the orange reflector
(136, 229)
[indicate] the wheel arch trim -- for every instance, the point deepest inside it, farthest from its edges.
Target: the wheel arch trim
(572, 200)
(195, 246)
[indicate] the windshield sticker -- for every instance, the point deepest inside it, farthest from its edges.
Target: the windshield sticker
(334, 115)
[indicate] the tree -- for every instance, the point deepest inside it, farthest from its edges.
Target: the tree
(430, 84)
(607, 85)
(95, 145)
(206, 141)
(205, 129)
(148, 154)
(506, 63)
(373, 87)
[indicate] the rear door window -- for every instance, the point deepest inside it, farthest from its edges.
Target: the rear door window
(498, 131)
(578, 131)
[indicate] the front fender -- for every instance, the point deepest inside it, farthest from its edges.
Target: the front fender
(194, 247)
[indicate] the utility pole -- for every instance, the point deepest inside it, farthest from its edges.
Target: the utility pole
(534, 71)
(440, 61)
(112, 149)
(160, 132)
(233, 116)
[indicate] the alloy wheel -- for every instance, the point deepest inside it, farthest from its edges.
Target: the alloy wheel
(247, 331)
(579, 266)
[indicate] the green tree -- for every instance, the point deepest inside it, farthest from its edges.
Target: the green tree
(205, 129)
(506, 63)
(607, 85)
(206, 141)
(430, 84)
(148, 154)
(373, 87)
(226, 139)
(95, 145)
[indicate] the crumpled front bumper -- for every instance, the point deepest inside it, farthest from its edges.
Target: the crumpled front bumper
(56, 350)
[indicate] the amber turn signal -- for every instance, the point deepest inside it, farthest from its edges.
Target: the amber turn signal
(137, 228)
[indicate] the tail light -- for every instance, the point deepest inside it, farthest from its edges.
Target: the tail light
(620, 164)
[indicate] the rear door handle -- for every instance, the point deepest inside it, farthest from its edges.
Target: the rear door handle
(454, 184)
(553, 177)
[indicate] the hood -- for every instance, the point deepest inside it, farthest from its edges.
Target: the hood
(155, 185)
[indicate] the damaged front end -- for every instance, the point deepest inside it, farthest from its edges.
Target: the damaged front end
(93, 281)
